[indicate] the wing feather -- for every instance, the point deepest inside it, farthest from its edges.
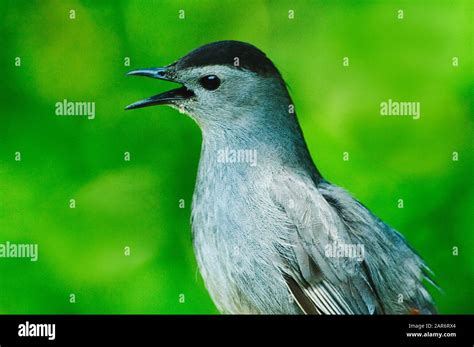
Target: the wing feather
(317, 217)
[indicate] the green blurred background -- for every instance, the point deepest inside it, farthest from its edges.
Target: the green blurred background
(136, 203)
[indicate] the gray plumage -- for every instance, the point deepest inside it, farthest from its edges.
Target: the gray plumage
(265, 234)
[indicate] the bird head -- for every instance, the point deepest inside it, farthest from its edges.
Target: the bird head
(221, 83)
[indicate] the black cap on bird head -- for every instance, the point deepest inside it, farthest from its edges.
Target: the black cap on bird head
(236, 54)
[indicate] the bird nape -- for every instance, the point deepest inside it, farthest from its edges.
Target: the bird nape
(270, 234)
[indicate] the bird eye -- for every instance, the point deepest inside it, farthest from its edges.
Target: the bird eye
(210, 82)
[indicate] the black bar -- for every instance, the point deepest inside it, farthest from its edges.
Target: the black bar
(316, 330)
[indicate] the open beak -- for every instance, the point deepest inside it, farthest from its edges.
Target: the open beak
(167, 98)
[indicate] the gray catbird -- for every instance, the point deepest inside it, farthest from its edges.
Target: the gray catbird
(270, 234)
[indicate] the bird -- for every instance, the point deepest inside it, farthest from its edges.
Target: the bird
(271, 235)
